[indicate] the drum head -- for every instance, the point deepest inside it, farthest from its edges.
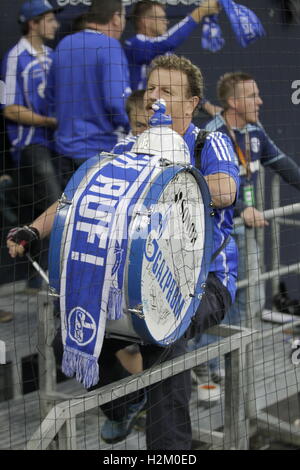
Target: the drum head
(169, 255)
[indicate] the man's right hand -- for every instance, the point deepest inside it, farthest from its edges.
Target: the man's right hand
(51, 122)
(210, 7)
(254, 218)
(21, 240)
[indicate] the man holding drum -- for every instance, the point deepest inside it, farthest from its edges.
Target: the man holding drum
(177, 81)
(180, 83)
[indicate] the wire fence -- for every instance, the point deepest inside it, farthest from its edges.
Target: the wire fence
(256, 403)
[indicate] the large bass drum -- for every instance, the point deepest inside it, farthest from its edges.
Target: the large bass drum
(169, 247)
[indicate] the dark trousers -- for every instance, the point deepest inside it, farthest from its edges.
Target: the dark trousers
(168, 423)
(37, 188)
(214, 305)
(8, 203)
(37, 179)
(168, 420)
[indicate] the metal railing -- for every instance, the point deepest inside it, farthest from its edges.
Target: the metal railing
(287, 432)
(60, 422)
(237, 347)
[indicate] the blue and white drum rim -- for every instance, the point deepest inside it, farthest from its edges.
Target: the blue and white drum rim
(137, 250)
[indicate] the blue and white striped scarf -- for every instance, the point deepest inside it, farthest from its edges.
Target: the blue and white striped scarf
(95, 252)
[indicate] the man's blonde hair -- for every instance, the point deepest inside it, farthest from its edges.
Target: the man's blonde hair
(174, 62)
(226, 86)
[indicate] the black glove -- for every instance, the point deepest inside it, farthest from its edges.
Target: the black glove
(27, 237)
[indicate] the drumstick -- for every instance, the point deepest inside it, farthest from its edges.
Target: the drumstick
(38, 268)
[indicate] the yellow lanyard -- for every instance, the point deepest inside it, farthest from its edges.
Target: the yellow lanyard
(244, 159)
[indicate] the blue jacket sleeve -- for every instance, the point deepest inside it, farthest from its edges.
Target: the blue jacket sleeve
(281, 163)
(142, 49)
(116, 87)
(270, 151)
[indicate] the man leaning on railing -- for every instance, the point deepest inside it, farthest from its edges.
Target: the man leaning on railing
(239, 96)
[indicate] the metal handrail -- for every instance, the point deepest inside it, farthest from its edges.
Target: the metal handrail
(273, 213)
(280, 213)
(69, 409)
(63, 414)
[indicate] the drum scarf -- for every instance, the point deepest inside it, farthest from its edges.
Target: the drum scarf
(245, 24)
(95, 256)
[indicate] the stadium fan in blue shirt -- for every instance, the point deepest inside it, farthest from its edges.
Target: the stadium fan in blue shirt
(88, 86)
(152, 38)
(239, 96)
(180, 84)
(217, 155)
(168, 427)
(25, 69)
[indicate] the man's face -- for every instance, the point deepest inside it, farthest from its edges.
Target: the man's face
(172, 86)
(156, 21)
(138, 118)
(48, 25)
(247, 101)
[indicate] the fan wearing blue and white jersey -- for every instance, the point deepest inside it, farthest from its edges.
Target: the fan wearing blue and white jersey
(25, 74)
(25, 70)
(217, 157)
(88, 86)
(239, 96)
(152, 38)
(177, 81)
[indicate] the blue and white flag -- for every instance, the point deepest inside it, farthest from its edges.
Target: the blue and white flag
(244, 23)
(95, 251)
(212, 38)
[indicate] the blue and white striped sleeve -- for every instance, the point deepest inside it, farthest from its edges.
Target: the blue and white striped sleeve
(218, 156)
(14, 93)
(50, 91)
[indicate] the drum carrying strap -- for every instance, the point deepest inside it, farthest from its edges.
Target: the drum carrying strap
(199, 144)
